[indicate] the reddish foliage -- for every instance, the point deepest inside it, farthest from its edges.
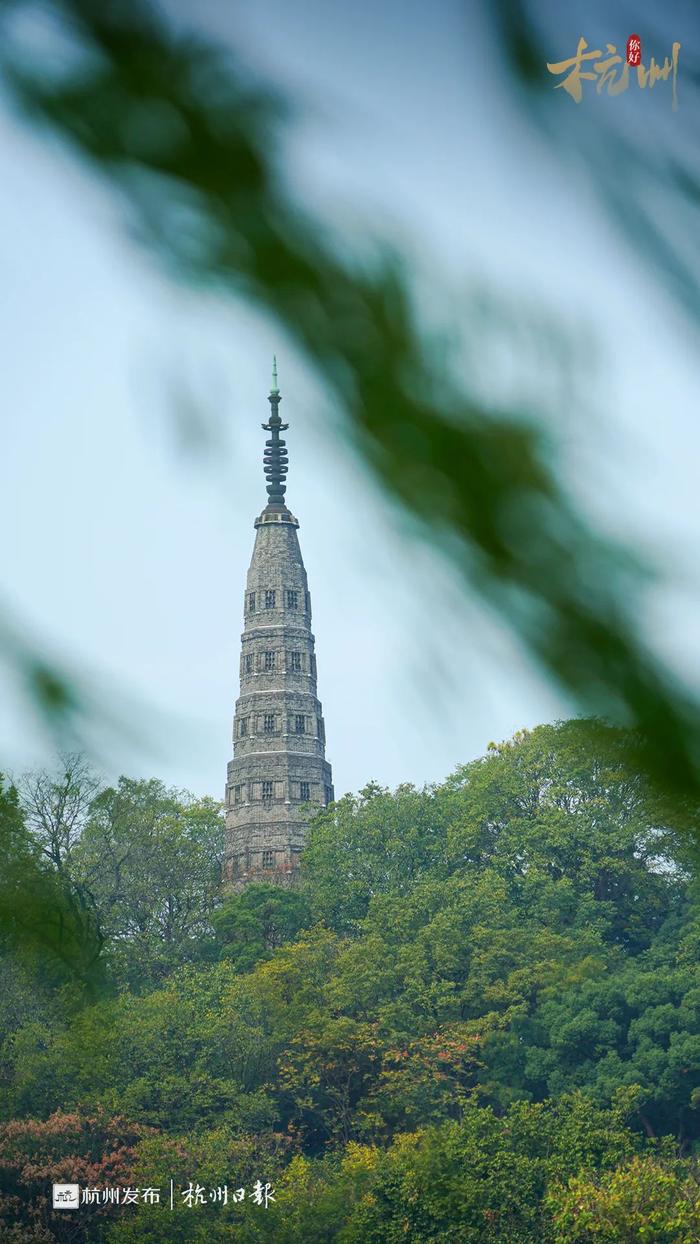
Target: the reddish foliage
(90, 1149)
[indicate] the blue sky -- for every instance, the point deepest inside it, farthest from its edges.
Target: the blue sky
(125, 558)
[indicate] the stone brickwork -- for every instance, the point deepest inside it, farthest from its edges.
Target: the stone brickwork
(279, 773)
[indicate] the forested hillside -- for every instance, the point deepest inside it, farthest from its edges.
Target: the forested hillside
(476, 1019)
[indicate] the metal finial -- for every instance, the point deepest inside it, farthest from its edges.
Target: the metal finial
(275, 458)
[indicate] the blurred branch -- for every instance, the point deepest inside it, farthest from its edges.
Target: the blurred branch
(73, 709)
(191, 145)
(646, 174)
(53, 692)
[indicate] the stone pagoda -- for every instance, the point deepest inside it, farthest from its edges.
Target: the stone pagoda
(279, 775)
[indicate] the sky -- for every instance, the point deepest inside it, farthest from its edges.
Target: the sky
(125, 557)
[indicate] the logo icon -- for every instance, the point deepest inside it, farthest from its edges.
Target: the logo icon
(66, 1196)
(611, 73)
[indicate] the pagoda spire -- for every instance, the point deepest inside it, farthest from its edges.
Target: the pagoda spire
(279, 775)
(275, 458)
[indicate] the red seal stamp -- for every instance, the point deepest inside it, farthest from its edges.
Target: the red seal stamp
(634, 50)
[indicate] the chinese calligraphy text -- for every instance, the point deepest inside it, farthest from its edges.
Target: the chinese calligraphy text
(609, 70)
